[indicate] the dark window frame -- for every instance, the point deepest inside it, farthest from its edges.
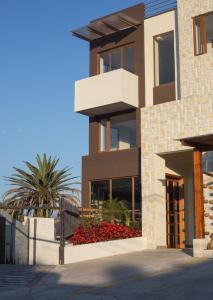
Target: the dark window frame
(121, 48)
(202, 20)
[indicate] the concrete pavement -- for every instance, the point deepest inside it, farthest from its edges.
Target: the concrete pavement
(147, 275)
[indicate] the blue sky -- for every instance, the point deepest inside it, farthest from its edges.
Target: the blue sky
(40, 60)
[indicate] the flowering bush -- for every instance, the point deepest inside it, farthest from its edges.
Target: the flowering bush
(102, 232)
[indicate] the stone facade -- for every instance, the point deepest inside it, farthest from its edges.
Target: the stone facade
(196, 72)
(163, 125)
(161, 128)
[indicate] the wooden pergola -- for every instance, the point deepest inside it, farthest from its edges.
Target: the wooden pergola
(200, 144)
(105, 26)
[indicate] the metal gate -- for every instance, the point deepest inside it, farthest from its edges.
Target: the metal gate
(2, 239)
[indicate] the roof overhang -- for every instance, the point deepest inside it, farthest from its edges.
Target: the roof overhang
(106, 26)
(202, 142)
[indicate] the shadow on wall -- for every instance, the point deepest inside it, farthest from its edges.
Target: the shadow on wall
(113, 279)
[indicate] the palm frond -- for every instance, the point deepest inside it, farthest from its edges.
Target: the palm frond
(41, 184)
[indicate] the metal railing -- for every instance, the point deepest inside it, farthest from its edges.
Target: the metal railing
(134, 215)
(156, 7)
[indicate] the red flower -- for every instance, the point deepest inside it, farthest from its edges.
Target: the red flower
(102, 232)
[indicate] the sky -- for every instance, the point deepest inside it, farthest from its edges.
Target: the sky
(39, 63)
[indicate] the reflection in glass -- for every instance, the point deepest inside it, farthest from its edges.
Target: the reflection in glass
(104, 63)
(123, 131)
(198, 39)
(122, 190)
(103, 135)
(99, 193)
(116, 59)
(129, 58)
(209, 30)
(164, 59)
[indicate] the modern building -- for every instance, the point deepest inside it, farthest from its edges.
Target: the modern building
(149, 102)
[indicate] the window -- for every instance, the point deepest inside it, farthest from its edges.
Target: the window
(117, 58)
(128, 63)
(122, 190)
(120, 133)
(104, 63)
(103, 135)
(164, 58)
(203, 33)
(208, 162)
(126, 189)
(99, 193)
(123, 132)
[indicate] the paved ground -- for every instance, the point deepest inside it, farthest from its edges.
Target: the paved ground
(147, 275)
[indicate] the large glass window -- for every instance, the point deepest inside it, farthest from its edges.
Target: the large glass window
(99, 193)
(104, 63)
(119, 134)
(122, 132)
(208, 162)
(122, 57)
(164, 58)
(122, 189)
(115, 59)
(203, 33)
(209, 31)
(103, 135)
(129, 58)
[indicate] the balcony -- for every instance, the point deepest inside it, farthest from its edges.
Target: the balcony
(106, 93)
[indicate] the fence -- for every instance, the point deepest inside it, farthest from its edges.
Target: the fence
(18, 240)
(32, 241)
(156, 7)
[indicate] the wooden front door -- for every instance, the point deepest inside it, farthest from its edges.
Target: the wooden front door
(175, 212)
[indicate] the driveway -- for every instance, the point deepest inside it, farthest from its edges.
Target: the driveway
(148, 275)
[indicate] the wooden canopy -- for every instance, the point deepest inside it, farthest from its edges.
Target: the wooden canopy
(203, 142)
(105, 26)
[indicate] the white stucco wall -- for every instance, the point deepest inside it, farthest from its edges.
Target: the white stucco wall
(43, 248)
(16, 247)
(154, 26)
(105, 89)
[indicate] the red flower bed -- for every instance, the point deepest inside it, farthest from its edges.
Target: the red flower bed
(102, 232)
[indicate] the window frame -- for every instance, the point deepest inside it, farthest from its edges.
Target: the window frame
(202, 19)
(121, 49)
(154, 58)
(108, 133)
(133, 179)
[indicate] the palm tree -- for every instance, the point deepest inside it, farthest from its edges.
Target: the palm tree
(41, 185)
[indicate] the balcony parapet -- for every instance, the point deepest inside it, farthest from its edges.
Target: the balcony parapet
(106, 93)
